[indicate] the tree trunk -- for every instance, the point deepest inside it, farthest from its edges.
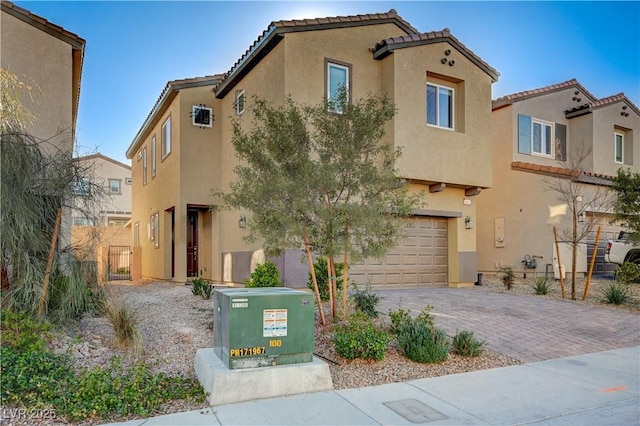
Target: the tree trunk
(555, 236)
(47, 272)
(330, 288)
(593, 261)
(345, 274)
(574, 249)
(314, 280)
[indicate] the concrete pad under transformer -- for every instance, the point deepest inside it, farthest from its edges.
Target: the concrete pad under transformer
(226, 386)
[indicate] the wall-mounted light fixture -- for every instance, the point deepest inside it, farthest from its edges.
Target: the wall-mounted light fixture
(242, 222)
(582, 217)
(468, 223)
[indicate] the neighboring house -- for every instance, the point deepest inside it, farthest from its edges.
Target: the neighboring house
(442, 92)
(111, 203)
(537, 135)
(49, 58)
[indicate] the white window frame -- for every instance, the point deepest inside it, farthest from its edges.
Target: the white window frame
(144, 166)
(194, 115)
(166, 138)
(615, 147)
(452, 119)
(81, 187)
(332, 96)
(240, 103)
(155, 229)
(153, 156)
(82, 221)
(551, 126)
(118, 182)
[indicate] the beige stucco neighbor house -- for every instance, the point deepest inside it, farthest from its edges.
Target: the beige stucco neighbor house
(113, 206)
(49, 58)
(442, 92)
(536, 135)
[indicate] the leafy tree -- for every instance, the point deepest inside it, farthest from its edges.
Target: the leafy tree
(321, 180)
(626, 186)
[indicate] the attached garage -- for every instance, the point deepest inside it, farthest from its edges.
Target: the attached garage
(420, 260)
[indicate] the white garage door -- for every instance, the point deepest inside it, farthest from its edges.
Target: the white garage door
(419, 260)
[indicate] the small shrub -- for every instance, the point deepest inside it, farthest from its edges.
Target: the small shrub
(421, 343)
(541, 286)
(508, 276)
(197, 285)
(265, 275)
(402, 318)
(125, 325)
(465, 344)
(628, 273)
(322, 277)
(206, 291)
(616, 293)
(359, 338)
(366, 301)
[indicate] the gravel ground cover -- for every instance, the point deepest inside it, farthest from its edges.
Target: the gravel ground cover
(174, 324)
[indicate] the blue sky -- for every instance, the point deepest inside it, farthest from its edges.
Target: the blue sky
(134, 48)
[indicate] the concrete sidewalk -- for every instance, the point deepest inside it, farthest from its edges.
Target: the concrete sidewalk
(601, 388)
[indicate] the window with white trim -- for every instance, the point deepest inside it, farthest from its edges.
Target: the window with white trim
(440, 106)
(166, 138)
(144, 166)
(114, 186)
(240, 102)
(618, 140)
(82, 221)
(541, 137)
(337, 78)
(201, 116)
(154, 229)
(153, 156)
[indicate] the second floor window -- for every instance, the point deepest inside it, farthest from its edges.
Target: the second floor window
(166, 138)
(618, 148)
(240, 102)
(440, 106)
(338, 76)
(144, 166)
(201, 116)
(153, 156)
(114, 186)
(541, 138)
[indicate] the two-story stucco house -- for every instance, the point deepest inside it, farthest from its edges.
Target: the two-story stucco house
(442, 92)
(537, 136)
(49, 58)
(113, 206)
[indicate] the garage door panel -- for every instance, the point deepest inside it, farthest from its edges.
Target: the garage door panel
(419, 260)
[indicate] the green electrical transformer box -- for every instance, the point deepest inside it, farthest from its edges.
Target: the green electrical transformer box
(259, 327)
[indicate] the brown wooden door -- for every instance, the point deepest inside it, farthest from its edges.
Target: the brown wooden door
(192, 243)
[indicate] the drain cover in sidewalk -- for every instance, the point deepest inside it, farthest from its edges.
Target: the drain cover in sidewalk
(415, 411)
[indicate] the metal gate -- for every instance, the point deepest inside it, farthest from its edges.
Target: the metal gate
(119, 265)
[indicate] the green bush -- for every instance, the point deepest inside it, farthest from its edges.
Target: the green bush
(541, 286)
(265, 275)
(32, 377)
(206, 291)
(197, 284)
(508, 276)
(366, 301)
(421, 343)
(322, 277)
(628, 273)
(616, 293)
(124, 322)
(402, 318)
(465, 344)
(359, 338)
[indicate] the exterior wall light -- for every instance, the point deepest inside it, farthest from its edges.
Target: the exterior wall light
(468, 223)
(581, 217)
(242, 222)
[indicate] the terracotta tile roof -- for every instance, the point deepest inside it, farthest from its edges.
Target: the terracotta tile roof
(527, 94)
(41, 22)
(276, 30)
(386, 47)
(168, 93)
(556, 171)
(599, 103)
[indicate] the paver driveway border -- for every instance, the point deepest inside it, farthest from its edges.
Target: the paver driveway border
(527, 328)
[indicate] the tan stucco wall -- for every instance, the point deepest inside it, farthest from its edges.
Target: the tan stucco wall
(608, 120)
(461, 156)
(44, 62)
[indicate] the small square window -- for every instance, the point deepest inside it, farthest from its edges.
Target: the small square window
(240, 102)
(114, 186)
(166, 138)
(541, 137)
(337, 80)
(440, 108)
(81, 187)
(202, 116)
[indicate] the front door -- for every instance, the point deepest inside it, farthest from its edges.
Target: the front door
(192, 243)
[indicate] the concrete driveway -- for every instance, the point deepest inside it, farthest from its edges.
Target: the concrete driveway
(527, 328)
